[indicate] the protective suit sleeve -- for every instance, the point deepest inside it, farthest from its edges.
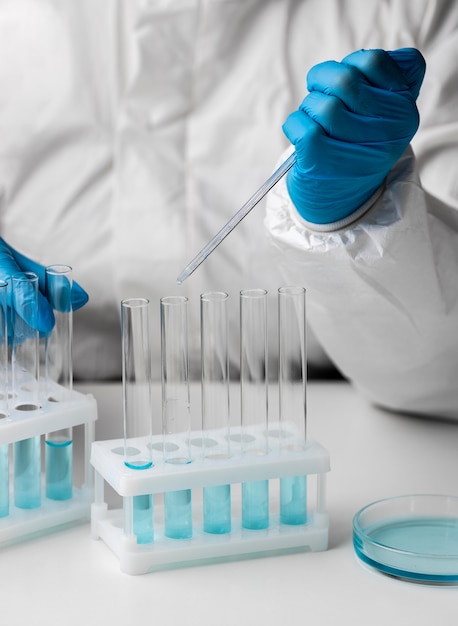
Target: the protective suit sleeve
(382, 292)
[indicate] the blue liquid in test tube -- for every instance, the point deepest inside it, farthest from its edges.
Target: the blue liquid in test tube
(59, 370)
(4, 481)
(178, 514)
(25, 377)
(293, 500)
(255, 505)
(137, 404)
(4, 449)
(27, 473)
(253, 379)
(217, 509)
(215, 405)
(176, 414)
(143, 518)
(59, 474)
(292, 395)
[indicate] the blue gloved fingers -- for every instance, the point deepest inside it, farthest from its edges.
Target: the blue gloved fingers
(310, 140)
(382, 68)
(391, 118)
(378, 68)
(79, 297)
(8, 264)
(359, 95)
(412, 65)
(300, 128)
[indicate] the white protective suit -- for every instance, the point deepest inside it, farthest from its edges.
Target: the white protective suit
(131, 131)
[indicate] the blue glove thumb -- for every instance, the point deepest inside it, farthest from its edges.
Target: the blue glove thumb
(354, 124)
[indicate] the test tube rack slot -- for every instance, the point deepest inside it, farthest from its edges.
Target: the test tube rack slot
(76, 409)
(114, 527)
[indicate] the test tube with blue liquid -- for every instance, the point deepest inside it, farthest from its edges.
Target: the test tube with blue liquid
(137, 406)
(254, 401)
(4, 448)
(292, 398)
(25, 367)
(176, 414)
(59, 381)
(215, 405)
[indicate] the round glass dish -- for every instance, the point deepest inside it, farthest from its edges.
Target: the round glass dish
(414, 537)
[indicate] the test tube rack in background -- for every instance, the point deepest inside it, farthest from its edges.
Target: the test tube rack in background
(38, 413)
(237, 482)
(77, 410)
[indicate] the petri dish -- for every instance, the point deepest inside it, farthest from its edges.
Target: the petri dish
(413, 537)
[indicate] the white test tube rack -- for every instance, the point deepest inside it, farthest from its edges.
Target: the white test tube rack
(115, 527)
(79, 409)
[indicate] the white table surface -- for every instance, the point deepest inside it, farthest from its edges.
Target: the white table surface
(67, 578)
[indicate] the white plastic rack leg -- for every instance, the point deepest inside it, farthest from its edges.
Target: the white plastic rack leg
(79, 409)
(115, 527)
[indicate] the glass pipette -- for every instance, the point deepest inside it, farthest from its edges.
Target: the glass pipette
(237, 218)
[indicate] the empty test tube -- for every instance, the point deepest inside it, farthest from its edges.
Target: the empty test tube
(253, 393)
(292, 397)
(137, 405)
(25, 386)
(59, 381)
(176, 416)
(4, 448)
(215, 405)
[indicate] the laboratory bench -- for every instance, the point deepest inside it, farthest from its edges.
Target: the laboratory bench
(67, 577)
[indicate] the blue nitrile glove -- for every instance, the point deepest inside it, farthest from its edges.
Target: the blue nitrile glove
(12, 262)
(355, 123)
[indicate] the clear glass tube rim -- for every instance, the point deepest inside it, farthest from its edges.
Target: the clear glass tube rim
(135, 303)
(291, 290)
(174, 300)
(58, 269)
(253, 293)
(25, 277)
(214, 296)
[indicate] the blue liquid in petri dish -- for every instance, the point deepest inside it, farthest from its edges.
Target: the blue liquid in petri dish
(293, 500)
(59, 469)
(27, 473)
(255, 505)
(423, 548)
(217, 509)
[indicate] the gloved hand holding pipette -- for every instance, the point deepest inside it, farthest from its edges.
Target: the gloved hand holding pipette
(354, 124)
(12, 262)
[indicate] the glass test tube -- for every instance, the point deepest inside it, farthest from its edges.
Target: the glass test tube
(59, 381)
(215, 405)
(137, 405)
(176, 415)
(253, 393)
(4, 448)
(292, 397)
(25, 386)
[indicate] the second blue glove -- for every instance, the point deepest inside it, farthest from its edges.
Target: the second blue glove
(356, 122)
